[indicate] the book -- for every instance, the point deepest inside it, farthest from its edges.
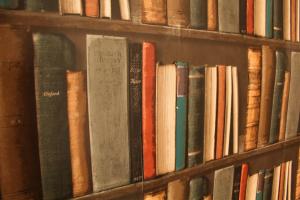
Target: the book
(161, 195)
(297, 189)
(228, 12)
(294, 98)
(228, 113)
(237, 182)
(284, 105)
(287, 19)
(136, 11)
(277, 19)
(92, 8)
(53, 55)
(9, 4)
(135, 111)
(288, 181)
(212, 15)
(165, 118)
(198, 14)
(269, 18)
(297, 21)
(282, 181)
(253, 98)
(108, 110)
(267, 87)
(148, 110)
(260, 185)
(154, 12)
(276, 182)
(196, 99)
(251, 187)
(243, 182)
(221, 70)
(70, 7)
(260, 18)
(125, 9)
(243, 16)
(38, 5)
(198, 188)
(223, 191)
(78, 132)
(182, 73)
(250, 17)
(177, 190)
(19, 158)
(235, 109)
(268, 183)
(105, 9)
(293, 13)
(178, 13)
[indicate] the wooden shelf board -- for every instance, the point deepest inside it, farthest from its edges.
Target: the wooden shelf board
(54, 20)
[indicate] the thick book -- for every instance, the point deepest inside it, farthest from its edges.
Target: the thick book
(198, 188)
(107, 77)
(260, 185)
(228, 112)
(212, 15)
(243, 16)
(9, 4)
(92, 8)
(251, 187)
(165, 118)
(70, 7)
(220, 110)
(243, 182)
(287, 19)
(105, 9)
(135, 111)
(160, 195)
(267, 87)
(148, 110)
(136, 11)
(39, 5)
(236, 182)
(198, 14)
(269, 18)
(78, 132)
(260, 18)
(229, 18)
(278, 19)
(294, 98)
(196, 99)
(235, 109)
(154, 12)
(253, 98)
(182, 73)
(19, 157)
(268, 183)
(177, 190)
(276, 183)
(223, 191)
(53, 55)
(250, 17)
(125, 9)
(277, 96)
(284, 105)
(178, 13)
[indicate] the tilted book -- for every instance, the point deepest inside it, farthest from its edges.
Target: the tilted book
(39, 5)
(154, 12)
(228, 111)
(229, 19)
(178, 13)
(284, 106)
(198, 14)
(70, 7)
(223, 191)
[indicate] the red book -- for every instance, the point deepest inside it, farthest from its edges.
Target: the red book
(92, 8)
(250, 17)
(148, 109)
(243, 183)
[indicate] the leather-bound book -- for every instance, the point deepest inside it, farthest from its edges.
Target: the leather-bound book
(136, 11)
(251, 187)
(196, 97)
(269, 18)
(70, 7)
(220, 110)
(277, 96)
(107, 77)
(182, 73)
(78, 132)
(212, 15)
(229, 18)
(178, 13)
(260, 18)
(125, 9)
(19, 158)
(135, 111)
(267, 87)
(228, 113)
(165, 118)
(282, 182)
(253, 98)
(161, 195)
(223, 191)
(297, 189)
(250, 17)
(154, 12)
(235, 109)
(236, 182)
(53, 55)
(287, 19)
(243, 16)
(92, 8)
(9, 4)
(276, 183)
(243, 182)
(105, 9)
(198, 188)
(283, 112)
(148, 110)
(39, 5)
(260, 185)
(293, 14)
(278, 19)
(268, 183)
(294, 98)
(177, 190)
(198, 14)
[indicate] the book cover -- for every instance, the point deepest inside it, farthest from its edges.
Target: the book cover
(269, 18)
(198, 14)
(276, 183)
(277, 19)
(229, 19)
(125, 9)
(228, 111)
(260, 185)
(70, 7)
(251, 187)
(287, 19)
(198, 188)
(237, 182)
(38, 5)
(9, 4)
(154, 12)
(177, 190)
(92, 8)
(223, 191)
(105, 9)
(235, 109)
(250, 17)
(260, 18)
(243, 182)
(212, 15)
(136, 11)
(178, 13)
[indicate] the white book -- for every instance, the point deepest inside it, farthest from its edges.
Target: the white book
(286, 19)
(289, 182)
(260, 18)
(235, 110)
(228, 107)
(70, 7)
(251, 187)
(276, 182)
(124, 9)
(105, 9)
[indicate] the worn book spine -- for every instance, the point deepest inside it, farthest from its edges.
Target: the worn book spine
(269, 18)
(78, 132)
(228, 113)
(154, 12)
(267, 87)
(220, 110)
(293, 13)
(212, 15)
(198, 188)
(198, 14)
(70, 7)
(268, 182)
(243, 16)
(276, 183)
(235, 110)
(260, 185)
(50, 65)
(260, 18)
(148, 110)
(196, 97)
(223, 191)
(177, 190)
(182, 74)
(92, 8)
(237, 182)
(9, 4)
(135, 111)
(136, 11)
(105, 9)
(125, 9)
(253, 98)
(278, 19)
(287, 19)
(250, 17)
(229, 18)
(178, 13)
(243, 182)
(38, 5)
(277, 96)
(19, 158)
(251, 187)
(160, 195)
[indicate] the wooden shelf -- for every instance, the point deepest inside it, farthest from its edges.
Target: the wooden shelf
(54, 20)
(190, 172)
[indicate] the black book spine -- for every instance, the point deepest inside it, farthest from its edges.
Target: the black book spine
(278, 19)
(236, 182)
(198, 14)
(243, 16)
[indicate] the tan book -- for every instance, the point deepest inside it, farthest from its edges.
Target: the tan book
(105, 9)
(70, 7)
(154, 12)
(297, 193)
(287, 19)
(260, 18)
(276, 182)
(165, 118)
(155, 196)
(282, 182)
(251, 187)
(178, 13)
(124, 9)
(228, 109)
(177, 190)
(212, 15)
(235, 110)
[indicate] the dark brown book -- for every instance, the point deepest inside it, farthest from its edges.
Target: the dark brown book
(178, 13)
(19, 158)
(154, 12)
(212, 15)
(253, 98)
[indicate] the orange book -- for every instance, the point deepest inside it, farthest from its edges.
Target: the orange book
(250, 17)
(243, 183)
(92, 8)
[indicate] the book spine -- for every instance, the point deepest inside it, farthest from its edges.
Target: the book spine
(260, 18)
(181, 113)
(178, 13)
(228, 114)
(124, 9)
(92, 8)
(243, 16)
(9, 4)
(135, 108)
(268, 182)
(78, 126)
(287, 19)
(260, 185)
(297, 189)
(228, 15)
(235, 110)
(198, 188)
(250, 17)
(154, 12)
(253, 98)
(37, 5)
(195, 115)
(148, 109)
(220, 190)
(243, 182)
(237, 183)
(198, 14)
(293, 14)
(277, 96)
(269, 18)
(282, 182)
(70, 7)
(136, 11)
(278, 19)
(177, 190)
(105, 9)
(212, 15)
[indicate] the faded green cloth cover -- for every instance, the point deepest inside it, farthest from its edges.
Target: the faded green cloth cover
(9, 4)
(278, 19)
(269, 18)
(38, 5)
(198, 14)
(198, 188)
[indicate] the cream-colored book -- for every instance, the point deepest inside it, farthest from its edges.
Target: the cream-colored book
(228, 108)
(105, 9)
(276, 181)
(70, 7)
(260, 18)
(286, 19)
(251, 187)
(289, 179)
(124, 9)
(235, 110)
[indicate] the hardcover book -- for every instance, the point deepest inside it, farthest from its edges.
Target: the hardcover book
(287, 19)
(243, 182)
(198, 188)
(178, 13)
(9, 4)
(105, 9)
(251, 187)
(92, 8)
(39, 5)
(235, 110)
(269, 18)
(228, 12)
(198, 14)
(243, 16)
(260, 185)
(282, 182)
(212, 15)
(154, 12)
(276, 183)
(228, 113)
(125, 9)
(268, 183)
(250, 17)
(297, 189)
(278, 19)
(70, 7)
(136, 11)
(177, 190)
(293, 15)
(223, 191)
(237, 182)
(260, 18)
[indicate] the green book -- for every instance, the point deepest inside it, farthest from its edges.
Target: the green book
(9, 4)
(198, 188)
(269, 18)
(268, 182)
(41, 5)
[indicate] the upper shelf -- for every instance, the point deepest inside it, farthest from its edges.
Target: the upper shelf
(54, 20)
